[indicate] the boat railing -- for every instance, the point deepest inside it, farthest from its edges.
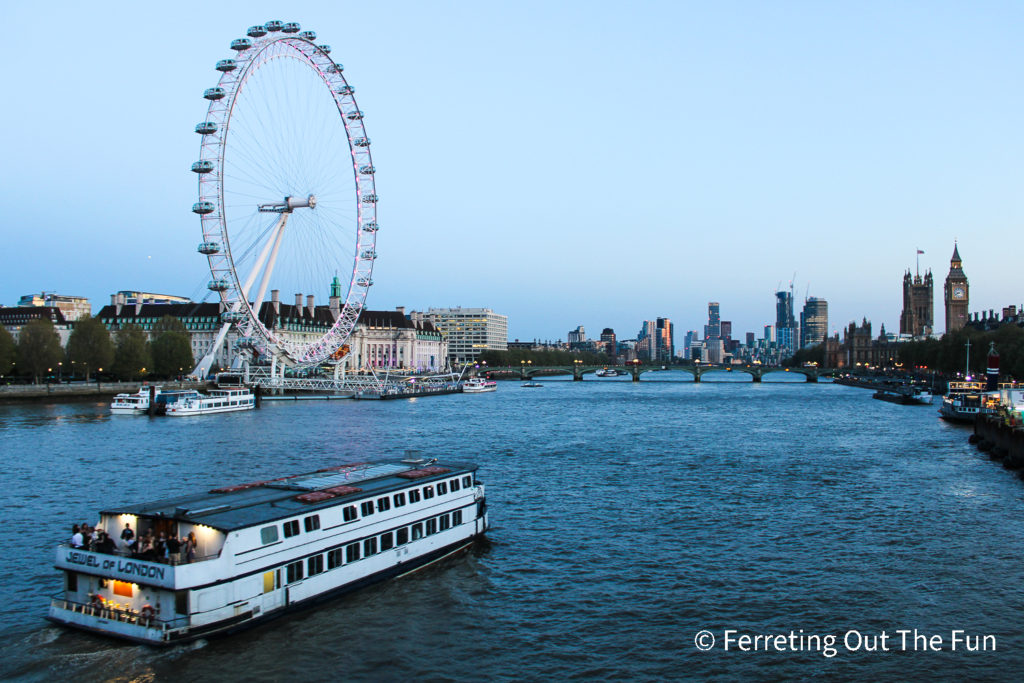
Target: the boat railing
(120, 552)
(105, 609)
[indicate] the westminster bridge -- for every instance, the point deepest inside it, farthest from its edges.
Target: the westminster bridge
(578, 370)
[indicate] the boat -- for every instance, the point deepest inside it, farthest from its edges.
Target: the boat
(166, 398)
(267, 548)
(531, 385)
(134, 404)
(965, 401)
(607, 372)
(217, 401)
(905, 395)
(478, 385)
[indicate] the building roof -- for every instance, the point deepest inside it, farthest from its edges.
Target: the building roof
(246, 505)
(21, 315)
(956, 253)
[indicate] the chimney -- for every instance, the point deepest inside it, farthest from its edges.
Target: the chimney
(138, 306)
(309, 306)
(400, 309)
(298, 304)
(275, 301)
(116, 300)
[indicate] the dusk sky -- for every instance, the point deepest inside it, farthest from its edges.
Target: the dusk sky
(563, 163)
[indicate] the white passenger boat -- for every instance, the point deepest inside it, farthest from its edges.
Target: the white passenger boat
(478, 385)
(266, 548)
(133, 404)
(218, 401)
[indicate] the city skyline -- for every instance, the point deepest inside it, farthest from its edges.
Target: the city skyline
(733, 148)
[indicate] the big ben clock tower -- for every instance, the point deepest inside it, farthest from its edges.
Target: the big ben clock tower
(956, 294)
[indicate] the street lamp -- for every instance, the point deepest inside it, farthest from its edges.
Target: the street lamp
(60, 371)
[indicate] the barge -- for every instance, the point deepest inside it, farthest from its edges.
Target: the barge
(262, 549)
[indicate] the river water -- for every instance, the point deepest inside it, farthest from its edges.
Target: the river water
(626, 519)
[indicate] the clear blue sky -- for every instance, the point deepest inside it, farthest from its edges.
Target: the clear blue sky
(564, 163)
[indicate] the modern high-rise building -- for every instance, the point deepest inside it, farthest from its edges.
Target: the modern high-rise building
(576, 337)
(957, 294)
(666, 348)
(917, 318)
(750, 340)
(813, 322)
(688, 342)
(713, 330)
(786, 332)
(647, 341)
(470, 331)
(726, 328)
(608, 341)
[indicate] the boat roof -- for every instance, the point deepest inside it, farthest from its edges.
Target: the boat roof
(244, 505)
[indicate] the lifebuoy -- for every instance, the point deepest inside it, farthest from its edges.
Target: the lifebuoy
(147, 612)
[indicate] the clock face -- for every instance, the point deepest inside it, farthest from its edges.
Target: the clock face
(958, 292)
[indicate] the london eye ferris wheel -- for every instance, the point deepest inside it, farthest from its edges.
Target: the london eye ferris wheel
(287, 198)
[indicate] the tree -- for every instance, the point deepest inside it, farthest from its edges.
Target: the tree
(8, 352)
(90, 347)
(39, 348)
(131, 356)
(172, 353)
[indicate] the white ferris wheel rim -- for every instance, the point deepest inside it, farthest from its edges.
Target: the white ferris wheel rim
(253, 53)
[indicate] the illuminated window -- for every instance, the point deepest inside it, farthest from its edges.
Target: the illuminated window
(123, 588)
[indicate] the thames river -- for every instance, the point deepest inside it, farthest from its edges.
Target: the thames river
(632, 523)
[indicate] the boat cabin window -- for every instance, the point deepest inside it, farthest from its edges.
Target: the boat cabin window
(428, 492)
(383, 504)
(268, 534)
(367, 508)
(291, 528)
(467, 481)
(414, 496)
(387, 541)
(312, 523)
(457, 518)
(431, 526)
(349, 514)
(315, 565)
(352, 552)
(454, 485)
(293, 572)
(370, 547)
(445, 522)
(334, 558)
(399, 500)
(442, 488)
(402, 536)
(417, 532)
(72, 579)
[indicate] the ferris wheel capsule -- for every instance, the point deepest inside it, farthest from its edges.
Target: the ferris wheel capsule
(354, 115)
(206, 128)
(326, 49)
(218, 285)
(203, 166)
(273, 26)
(208, 248)
(345, 89)
(226, 65)
(368, 254)
(335, 68)
(241, 44)
(256, 31)
(203, 208)
(367, 170)
(370, 227)
(364, 282)
(361, 142)
(291, 27)
(308, 35)
(214, 94)
(369, 199)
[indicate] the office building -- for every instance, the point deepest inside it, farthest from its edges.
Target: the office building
(72, 308)
(470, 331)
(813, 322)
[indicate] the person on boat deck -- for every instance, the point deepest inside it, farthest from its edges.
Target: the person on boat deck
(103, 543)
(173, 548)
(160, 548)
(190, 547)
(86, 535)
(145, 546)
(127, 535)
(77, 540)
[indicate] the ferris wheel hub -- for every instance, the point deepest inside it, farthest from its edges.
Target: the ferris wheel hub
(289, 204)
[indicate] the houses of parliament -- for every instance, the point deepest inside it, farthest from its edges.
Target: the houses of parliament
(917, 319)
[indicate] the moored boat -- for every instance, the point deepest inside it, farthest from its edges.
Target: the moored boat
(904, 395)
(217, 401)
(137, 403)
(258, 550)
(963, 402)
(531, 385)
(479, 385)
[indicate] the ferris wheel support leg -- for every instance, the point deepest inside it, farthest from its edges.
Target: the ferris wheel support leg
(203, 369)
(265, 281)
